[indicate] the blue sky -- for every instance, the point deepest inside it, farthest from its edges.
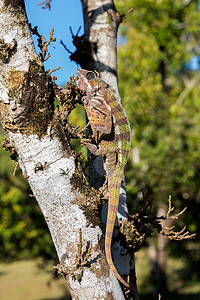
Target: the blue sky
(63, 14)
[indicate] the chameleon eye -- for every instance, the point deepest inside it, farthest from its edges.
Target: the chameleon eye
(90, 75)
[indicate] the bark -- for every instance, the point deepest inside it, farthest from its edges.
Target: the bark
(101, 21)
(45, 154)
(158, 258)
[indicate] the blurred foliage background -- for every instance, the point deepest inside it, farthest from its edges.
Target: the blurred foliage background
(23, 231)
(159, 75)
(158, 61)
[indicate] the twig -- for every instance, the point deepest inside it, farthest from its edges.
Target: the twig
(62, 43)
(121, 18)
(169, 231)
(139, 226)
(72, 34)
(16, 166)
(42, 42)
(179, 235)
(47, 5)
(54, 70)
(170, 209)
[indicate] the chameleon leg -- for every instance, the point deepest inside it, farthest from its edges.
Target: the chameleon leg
(93, 149)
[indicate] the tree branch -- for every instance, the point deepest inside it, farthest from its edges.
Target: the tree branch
(47, 158)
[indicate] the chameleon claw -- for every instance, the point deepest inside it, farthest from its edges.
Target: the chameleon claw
(84, 141)
(104, 187)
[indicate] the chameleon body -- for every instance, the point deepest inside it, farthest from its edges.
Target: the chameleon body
(111, 128)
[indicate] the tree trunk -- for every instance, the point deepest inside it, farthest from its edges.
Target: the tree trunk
(158, 258)
(101, 22)
(45, 155)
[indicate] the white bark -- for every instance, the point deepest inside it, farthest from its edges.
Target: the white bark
(100, 23)
(11, 31)
(53, 192)
(49, 169)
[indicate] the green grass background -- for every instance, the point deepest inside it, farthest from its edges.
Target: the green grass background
(23, 280)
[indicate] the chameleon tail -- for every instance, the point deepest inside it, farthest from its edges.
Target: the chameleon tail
(114, 191)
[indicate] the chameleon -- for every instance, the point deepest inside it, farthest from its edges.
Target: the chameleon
(112, 133)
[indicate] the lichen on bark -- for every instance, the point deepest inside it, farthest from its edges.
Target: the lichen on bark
(6, 50)
(31, 99)
(14, 3)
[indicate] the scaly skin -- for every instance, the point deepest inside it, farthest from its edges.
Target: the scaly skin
(111, 128)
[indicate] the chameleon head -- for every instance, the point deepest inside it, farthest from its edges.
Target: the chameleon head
(89, 81)
(97, 109)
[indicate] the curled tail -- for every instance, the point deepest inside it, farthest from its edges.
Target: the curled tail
(114, 192)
